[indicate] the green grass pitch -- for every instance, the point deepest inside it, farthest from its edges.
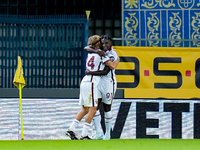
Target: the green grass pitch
(113, 144)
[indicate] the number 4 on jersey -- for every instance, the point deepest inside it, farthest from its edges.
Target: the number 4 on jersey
(91, 63)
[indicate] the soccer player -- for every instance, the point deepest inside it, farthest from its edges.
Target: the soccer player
(88, 91)
(107, 87)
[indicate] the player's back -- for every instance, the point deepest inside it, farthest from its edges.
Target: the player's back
(93, 63)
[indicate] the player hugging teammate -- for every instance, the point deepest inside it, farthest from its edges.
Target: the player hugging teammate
(99, 85)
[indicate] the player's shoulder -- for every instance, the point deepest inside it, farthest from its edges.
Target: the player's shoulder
(93, 54)
(114, 51)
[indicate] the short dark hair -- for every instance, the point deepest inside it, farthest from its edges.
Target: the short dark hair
(107, 37)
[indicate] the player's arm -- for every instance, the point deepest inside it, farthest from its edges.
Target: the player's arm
(113, 64)
(90, 49)
(98, 73)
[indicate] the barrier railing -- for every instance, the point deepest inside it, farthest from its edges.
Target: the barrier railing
(51, 49)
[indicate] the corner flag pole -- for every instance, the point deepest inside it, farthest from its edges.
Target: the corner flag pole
(19, 82)
(20, 97)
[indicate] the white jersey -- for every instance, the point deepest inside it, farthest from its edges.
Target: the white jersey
(113, 56)
(88, 88)
(93, 63)
(108, 85)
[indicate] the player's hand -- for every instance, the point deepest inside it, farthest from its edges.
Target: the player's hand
(101, 53)
(87, 71)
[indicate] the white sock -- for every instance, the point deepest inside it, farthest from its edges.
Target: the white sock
(86, 127)
(97, 122)
(74, 125)
(108, 121)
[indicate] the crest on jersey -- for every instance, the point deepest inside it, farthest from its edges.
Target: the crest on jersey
(112, 58)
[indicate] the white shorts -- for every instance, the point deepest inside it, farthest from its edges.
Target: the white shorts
(107, 89)
(88, 94)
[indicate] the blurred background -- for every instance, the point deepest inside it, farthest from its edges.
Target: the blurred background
(105, 16)
(49, 36)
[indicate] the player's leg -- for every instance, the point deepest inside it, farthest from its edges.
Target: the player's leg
(88, 120)
(108, 91)
(90, 101)
(84, 92)
(71, 130)
(108, 120)
(97, 123)
(97, 118)
(78, 118)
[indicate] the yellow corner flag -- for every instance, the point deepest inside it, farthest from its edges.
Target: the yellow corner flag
(19, 78)
(19, 82)
(87, 14)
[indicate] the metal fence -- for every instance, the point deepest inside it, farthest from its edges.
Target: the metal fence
(51, 49)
